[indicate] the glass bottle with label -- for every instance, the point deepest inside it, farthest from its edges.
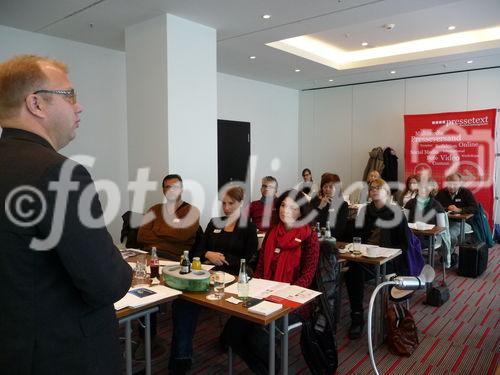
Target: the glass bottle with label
(243, 285)
(318, 230)
(328, 232)
(154, 263)
(185, 263)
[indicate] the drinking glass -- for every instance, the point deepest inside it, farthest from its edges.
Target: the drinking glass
(218, 279)
(140, 271)
(356, 246)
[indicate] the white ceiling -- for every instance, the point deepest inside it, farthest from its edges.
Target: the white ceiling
(241, 31)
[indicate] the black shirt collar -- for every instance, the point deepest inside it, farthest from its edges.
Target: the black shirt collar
(25, 135)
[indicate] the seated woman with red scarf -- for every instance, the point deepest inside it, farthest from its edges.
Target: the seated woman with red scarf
(289, 253)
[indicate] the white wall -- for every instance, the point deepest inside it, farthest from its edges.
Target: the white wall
(356, 118)
(98, 76)
(273, 115)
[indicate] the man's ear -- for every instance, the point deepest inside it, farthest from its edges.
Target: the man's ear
(35, 105)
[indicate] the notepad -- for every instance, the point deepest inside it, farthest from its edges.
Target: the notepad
(265, 308)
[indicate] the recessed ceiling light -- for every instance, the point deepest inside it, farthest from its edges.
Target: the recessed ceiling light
(252, 57)
(451, 28)
(470, 61)
(389, 26)
(266, 16)
(330, 80)
(392, 72)
(297, 70)
(364, 44)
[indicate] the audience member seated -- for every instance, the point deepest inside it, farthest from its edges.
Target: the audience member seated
(361, 195)
(378, 223)
(411, 190)
(307, 186)
(456, 199)
(261, 212)
(425, 208)
(226, 241)
(330, 206)
(171, 227)
(289, 254)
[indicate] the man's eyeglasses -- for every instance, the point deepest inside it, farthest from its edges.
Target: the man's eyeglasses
(69, 95)
(373, 188)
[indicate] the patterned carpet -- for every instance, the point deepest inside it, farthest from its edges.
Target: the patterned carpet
(460, 337)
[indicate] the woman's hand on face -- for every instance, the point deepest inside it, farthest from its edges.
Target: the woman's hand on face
(216, 258)
(325, 201)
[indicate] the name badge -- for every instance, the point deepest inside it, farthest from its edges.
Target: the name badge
(176, 220)
(277, 250)
(458, 200)
(298, 239)
(217, 230)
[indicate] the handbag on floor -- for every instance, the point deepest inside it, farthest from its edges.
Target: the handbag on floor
(402, 337)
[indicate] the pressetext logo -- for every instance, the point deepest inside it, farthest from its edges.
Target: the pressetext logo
(473, 121)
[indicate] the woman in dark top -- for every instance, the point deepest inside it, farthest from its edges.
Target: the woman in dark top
(330, 205)
(226, 242)
(382, 224)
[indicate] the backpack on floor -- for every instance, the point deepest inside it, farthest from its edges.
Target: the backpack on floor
(318, 340)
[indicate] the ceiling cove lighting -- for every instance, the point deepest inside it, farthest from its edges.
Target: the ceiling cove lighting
(311, 48)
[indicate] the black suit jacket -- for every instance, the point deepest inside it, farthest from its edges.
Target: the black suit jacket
(56, 310)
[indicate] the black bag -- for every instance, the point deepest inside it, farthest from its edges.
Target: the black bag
(319, 348)
(472, 259)
(318, 341)
(438, 295)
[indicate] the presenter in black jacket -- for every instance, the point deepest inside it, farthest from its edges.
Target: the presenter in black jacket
(60, 271)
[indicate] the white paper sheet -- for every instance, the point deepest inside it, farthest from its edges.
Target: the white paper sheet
(131, 300)
(258, 288)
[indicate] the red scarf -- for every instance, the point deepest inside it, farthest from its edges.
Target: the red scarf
(289, 243)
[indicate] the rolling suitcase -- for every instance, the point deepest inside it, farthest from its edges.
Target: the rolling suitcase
(472, 259)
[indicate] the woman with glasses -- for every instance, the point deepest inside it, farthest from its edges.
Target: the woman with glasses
(289, 253)
(307, 186)
(382, 224)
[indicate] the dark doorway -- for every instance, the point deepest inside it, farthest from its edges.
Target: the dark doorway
(233, 151)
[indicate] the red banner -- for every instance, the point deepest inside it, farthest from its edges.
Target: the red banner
(462, 142)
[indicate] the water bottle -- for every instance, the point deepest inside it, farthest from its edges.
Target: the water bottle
(185, 263)
(328, 232)
(154, 263)
(243, 281)
(318, 230)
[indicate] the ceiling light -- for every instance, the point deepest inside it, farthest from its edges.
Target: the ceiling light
(314, 49)
(364, 44)
(297, 70)
(451, 28)
(252, 57)
(266, 16)
(389, 26)
(470, 61)
(330, 80)
(392, 72)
